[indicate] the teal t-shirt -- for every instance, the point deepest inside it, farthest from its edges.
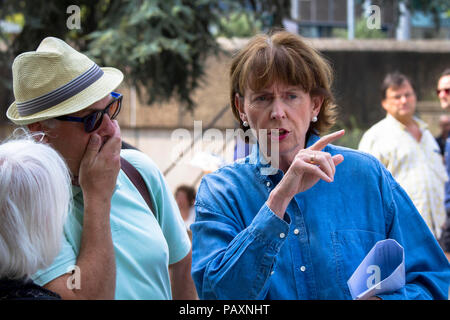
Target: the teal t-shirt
(144, 245)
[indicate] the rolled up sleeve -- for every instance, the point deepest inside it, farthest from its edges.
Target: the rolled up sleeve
(229, 263)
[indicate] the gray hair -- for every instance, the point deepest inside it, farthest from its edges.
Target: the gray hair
(35, 197)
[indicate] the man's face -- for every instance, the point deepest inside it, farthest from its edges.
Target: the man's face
(70, 138)
(400, 102)
(443, 92)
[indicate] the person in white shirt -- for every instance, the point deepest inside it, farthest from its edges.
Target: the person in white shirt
(185, 198)
(405, 146)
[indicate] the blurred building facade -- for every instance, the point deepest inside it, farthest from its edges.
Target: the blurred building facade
(322, 18)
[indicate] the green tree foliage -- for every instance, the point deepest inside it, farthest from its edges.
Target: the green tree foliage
(270, 12)
(433, 7)
(239, 24)
(160, 45)
(361, 31)
(248, 17)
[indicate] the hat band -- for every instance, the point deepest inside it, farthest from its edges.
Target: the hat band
(61, 94)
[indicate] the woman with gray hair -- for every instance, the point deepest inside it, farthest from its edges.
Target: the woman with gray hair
(34, 200)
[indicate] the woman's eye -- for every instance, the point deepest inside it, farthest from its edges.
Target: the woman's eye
(292, 96)
(261, 98)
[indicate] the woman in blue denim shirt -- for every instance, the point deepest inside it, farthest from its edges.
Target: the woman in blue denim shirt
(295, 218)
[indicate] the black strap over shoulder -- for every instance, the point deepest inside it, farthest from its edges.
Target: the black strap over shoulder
(138, 182)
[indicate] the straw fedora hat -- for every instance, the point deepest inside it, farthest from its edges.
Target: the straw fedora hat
(56, 80)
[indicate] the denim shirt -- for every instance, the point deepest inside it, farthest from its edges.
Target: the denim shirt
(242, 250)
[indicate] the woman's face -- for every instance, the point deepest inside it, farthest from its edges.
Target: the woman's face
(284, 108)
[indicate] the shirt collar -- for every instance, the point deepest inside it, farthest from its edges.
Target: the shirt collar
(75, 190)
(422, 125)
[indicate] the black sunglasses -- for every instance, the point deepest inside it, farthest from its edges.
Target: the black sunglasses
(93, 120)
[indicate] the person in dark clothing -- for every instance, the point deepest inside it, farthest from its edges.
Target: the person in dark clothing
(443, 92)
(25, 289)
(444, 124)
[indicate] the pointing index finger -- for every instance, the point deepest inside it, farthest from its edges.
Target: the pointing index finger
(322, 142)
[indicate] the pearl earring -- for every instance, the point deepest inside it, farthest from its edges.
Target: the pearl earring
(245, 123)
(314, 119)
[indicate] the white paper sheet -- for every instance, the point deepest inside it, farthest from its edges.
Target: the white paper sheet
(381, 271)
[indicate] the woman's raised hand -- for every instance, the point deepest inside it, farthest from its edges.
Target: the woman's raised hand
(308, 167)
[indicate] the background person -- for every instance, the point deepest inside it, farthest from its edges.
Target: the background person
(443, 92)
(444, 125)
(35, 197)
(405, 146)
(443, 89)
(185, 198)
(301, 232)
(120, 247)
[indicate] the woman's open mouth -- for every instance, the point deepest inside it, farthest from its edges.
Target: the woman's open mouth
(278, 134)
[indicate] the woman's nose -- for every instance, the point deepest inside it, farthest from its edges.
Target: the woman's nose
(278, 108)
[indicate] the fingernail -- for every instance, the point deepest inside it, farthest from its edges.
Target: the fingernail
(95, 139)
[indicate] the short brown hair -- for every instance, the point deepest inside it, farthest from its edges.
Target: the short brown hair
(285, 57)
(393, 80)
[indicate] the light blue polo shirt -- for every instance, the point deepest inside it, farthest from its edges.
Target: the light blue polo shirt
(144, 245)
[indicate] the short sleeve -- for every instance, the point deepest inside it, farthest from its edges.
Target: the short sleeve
(171, 222)
(62, 264)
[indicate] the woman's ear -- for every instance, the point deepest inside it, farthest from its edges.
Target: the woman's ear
(239, 103)
(317, 104)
